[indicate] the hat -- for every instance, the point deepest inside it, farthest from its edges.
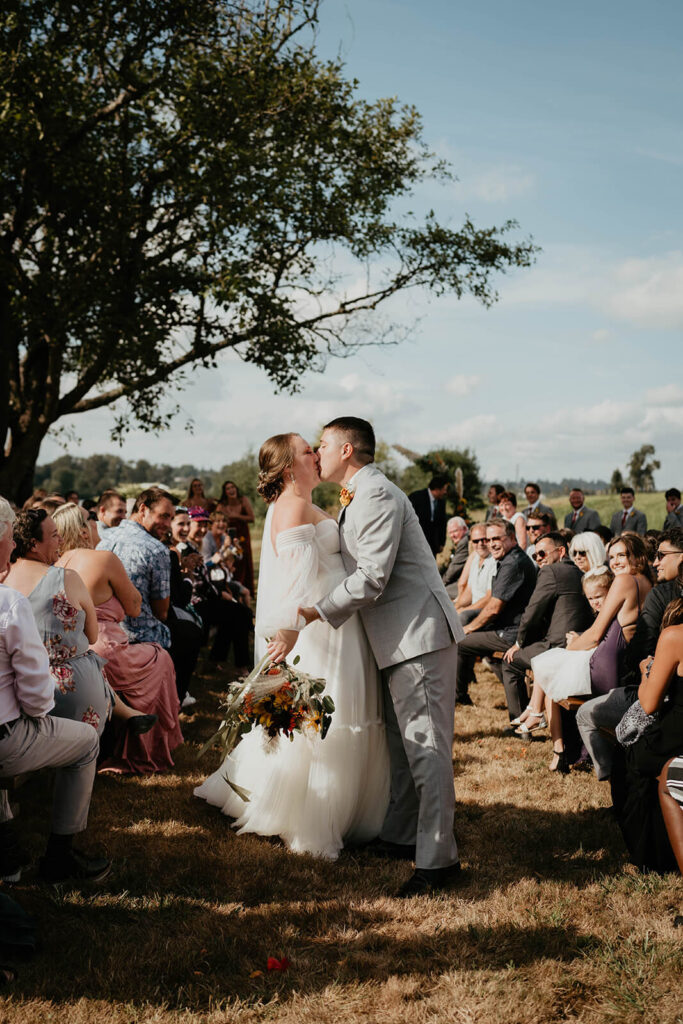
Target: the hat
(198, 514)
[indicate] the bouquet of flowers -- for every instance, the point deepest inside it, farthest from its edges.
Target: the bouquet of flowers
(281, 699)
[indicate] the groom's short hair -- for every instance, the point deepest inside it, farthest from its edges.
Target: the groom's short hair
(357, 432)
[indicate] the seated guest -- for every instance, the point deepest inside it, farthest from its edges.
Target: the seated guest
(637, 767)
(651, 539)
(533, 496)
(215, 606)
(430, 508)
(598, 718)
(142, 674)
(31, 738)
(581, 518)
(65, 617)
(557, 606)
(592, 660)
(474, 586)
(507, 506)
(538, 525)
(674, 509)
(495, 627)
(213, 541)
(111, 509)
(138, 543)
(495, 491)
(458, 532)
(587, 551)
(71, 496)
(630, 518)
(671, 804)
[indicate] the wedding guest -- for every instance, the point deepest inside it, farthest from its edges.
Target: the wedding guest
(71, 496)
(598, 718)
(587, 551)
(592, 660)
(557, 606)
(65, 618)
(630, 518)
(458, 533)
(138, 543)
(507, 506)
(533, 496)
(142, 674)
(637, 767)
(240, 514)
(674, 509)
(111, 510)
(538, 524)
(604, 533)
(495, 627)
(213, 541)
(581, 518)
(31, 738)
(430, 508)
(196, 497)
(474, 585)
(495, 490)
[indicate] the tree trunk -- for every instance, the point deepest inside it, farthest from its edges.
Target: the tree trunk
(17, 467)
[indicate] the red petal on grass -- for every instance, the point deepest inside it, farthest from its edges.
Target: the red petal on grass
(277, 965)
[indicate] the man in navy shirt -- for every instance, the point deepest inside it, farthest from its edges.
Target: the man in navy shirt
(495, 627)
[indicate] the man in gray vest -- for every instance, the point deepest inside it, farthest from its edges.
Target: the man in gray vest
(581, 518)
(412, 627)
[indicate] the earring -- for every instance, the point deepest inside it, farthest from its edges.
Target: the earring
(291, 477)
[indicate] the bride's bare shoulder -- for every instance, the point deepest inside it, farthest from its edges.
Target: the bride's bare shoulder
(291, 511)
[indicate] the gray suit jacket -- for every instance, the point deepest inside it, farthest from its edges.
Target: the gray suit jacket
(588, 520)
(674, 520)
(556, 606)
(636, 521)
(457, 561)
(526, 512)
(393, 581)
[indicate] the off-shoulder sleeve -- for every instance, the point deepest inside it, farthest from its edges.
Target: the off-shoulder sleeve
(289, 582)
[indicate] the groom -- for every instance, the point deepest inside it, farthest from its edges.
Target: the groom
(394, 585)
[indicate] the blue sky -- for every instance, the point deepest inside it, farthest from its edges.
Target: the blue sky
(568, 119)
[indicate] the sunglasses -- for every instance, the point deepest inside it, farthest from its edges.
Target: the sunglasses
(540, 556)
(662, 554)
(535, 529)
(479, 540)
(577, 552)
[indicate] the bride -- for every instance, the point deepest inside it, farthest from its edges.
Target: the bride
(315, 794)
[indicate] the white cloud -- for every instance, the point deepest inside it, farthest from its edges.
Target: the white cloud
(648, 292)
(668, 394)
(462, 384)
(603, 336)
(494, 184)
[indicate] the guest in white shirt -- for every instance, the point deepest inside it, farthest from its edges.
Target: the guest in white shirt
(474, 588)
(30, 738)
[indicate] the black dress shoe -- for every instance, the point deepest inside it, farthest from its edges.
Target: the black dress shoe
(465, 700)
(140, 724)
(428, 880)
(76, 866)
(392, 851)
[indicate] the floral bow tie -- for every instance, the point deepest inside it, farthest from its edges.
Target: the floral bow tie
(345, 497)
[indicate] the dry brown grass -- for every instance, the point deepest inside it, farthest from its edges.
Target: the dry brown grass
(551, 924)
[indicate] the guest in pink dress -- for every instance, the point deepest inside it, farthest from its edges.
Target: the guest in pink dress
(142, 674)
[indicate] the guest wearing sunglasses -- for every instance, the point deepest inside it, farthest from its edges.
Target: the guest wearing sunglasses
(587, 551)
(539, 524)
(597, 719)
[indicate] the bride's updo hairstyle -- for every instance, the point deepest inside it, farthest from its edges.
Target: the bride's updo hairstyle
(275, 458)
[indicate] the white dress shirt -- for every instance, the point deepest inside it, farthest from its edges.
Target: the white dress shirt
(25, 681)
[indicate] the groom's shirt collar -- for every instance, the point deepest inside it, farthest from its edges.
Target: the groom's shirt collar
(351, 484)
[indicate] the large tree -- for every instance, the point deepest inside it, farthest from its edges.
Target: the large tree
(176, 178)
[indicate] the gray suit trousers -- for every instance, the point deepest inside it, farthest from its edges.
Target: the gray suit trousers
(419, 706)
(603, 712)
(71, 747)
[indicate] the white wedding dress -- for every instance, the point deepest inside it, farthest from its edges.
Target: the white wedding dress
(315, 794)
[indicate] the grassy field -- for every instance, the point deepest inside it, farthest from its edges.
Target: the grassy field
(550, 924)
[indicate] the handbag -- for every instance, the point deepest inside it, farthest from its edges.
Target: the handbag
(634, 723)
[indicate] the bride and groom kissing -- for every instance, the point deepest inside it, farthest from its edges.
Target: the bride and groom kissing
(361, 601)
